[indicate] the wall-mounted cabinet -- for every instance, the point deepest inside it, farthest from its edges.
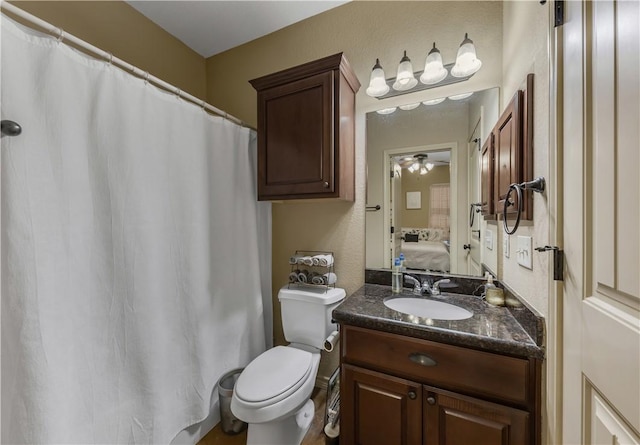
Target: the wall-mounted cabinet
(306, 131)
(507, 156)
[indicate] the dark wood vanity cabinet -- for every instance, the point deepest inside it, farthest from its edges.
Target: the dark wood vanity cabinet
(379, 409)
(408, 391)
(507, 156)
(453, 419)
(306, 131)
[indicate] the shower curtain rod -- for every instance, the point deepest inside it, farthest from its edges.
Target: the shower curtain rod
(140, 73)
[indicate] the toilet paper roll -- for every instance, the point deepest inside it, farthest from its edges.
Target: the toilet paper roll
(330, 278)
(332, 432)
(331, 341)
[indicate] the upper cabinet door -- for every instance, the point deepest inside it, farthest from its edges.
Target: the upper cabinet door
(295, 140)
(487, 178)
(508, 152)
(306, 131)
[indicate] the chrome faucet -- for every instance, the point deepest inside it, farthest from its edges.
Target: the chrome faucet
(417, 286)
(435, 289)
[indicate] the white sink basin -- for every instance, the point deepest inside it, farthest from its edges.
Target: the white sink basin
(419, 307)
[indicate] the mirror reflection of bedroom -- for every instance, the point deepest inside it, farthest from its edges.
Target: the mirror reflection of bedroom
(421, 209)
(423, 164)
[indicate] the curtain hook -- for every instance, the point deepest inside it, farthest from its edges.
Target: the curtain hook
(110, 59)
(60, 37)
(146, 77)
(178, 92)
(203, 105)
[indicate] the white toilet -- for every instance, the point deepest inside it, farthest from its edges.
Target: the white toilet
(273, 392)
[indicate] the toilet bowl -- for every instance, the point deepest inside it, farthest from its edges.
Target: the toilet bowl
(273, 392)
(273, 395)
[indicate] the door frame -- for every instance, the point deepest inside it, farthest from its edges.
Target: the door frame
(453, 174)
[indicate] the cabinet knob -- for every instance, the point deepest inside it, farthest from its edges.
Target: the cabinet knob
(412, 395)
(325, 184)
(431, 400)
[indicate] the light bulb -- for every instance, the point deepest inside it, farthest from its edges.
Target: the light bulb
(466, 61)
(405, 79)
(377, 82)
(434, 71)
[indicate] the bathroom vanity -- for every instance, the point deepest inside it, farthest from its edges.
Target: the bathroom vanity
(416, 380)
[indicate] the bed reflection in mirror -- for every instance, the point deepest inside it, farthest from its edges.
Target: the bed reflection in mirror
(423, 170)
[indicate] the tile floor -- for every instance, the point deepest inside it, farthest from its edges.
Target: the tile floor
(315, 436)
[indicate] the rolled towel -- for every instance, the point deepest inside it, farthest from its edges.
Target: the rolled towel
(293, 259)
(306, 260)
(323, 260)
(318, 279)
(303, 276)
(293, 276)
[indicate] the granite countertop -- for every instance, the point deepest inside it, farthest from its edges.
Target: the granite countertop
(491, 328)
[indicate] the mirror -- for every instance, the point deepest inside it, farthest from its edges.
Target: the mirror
(423, 171)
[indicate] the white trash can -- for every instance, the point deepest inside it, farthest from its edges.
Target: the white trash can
(230, 423)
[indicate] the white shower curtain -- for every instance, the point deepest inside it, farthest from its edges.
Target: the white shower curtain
(134, 253)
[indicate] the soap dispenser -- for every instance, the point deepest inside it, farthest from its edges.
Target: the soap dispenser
(493, 294)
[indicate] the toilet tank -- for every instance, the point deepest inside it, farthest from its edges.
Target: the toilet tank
(306, 313)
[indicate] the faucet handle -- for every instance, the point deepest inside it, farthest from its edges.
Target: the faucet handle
(417, 287)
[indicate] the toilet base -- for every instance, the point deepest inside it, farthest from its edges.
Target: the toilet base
(288, 431)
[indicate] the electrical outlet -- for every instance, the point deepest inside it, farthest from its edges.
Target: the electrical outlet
(524, 252)
(488, 239)
(506, 246)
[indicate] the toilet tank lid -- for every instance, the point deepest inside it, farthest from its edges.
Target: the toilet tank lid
(317, 295)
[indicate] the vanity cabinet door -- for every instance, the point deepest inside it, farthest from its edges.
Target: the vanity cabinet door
(378, 409)
(454, 419)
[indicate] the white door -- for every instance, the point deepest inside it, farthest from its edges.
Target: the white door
(601, 200)
(473, 240)
(396, 208)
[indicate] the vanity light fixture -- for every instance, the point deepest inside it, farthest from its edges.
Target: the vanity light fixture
(460, 96)
(434, 70)
(409, 107)
(405, 80)
(434, 101)
(433, 75)
(466, 61)
(386, 110)
(377, 82)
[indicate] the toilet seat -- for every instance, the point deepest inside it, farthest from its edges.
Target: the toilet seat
(267, 380)
(280, 405)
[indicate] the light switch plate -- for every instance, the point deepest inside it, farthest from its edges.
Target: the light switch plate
(506, 246)
(488, 239)
(525, 250)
